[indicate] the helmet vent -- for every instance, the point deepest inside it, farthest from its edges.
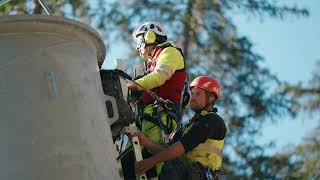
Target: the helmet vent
(159, 29)
(141, 28)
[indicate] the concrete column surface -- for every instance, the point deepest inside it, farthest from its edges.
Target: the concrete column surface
(53, 120)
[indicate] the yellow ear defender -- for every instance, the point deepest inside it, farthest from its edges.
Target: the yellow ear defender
(150, 37)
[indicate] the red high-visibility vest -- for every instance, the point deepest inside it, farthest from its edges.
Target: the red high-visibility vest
(172, 88)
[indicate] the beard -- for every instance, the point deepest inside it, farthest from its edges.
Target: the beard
(195, 107)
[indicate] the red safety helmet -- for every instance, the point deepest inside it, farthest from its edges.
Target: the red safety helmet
(208, 84)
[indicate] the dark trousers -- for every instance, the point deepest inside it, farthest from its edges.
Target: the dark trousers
(127, 163)
(180, 170)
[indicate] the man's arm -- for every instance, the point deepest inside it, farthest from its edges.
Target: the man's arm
(147, 143)
(169, 61)
(210, 126)
(172, 152)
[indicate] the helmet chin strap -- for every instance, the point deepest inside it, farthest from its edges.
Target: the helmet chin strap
(141, 55)
(209, 106)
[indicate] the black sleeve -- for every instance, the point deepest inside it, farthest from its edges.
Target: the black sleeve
(209, 126)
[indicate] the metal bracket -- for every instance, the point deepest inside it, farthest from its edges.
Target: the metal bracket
(138, 154)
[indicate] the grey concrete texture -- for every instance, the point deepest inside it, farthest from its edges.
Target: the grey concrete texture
(53, 120)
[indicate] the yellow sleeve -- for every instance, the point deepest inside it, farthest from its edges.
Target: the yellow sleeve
(169, 61)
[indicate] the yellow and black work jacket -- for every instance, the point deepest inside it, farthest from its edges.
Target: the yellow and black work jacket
(203, 140)
(166, 74)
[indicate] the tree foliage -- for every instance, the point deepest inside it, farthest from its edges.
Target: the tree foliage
(302, 161)
(307, 155)
(307, 93)
(212, 46)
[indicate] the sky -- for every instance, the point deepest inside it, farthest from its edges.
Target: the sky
(290, 49)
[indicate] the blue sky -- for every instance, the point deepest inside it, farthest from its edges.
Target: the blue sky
(289, 46)
(290, 49)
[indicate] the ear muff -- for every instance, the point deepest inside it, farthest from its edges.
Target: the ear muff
(150, 37)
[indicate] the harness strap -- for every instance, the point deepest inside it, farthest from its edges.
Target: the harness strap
(157, 122)
(201, 172)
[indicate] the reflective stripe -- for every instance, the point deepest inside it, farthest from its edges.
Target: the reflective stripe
(166, 85)
(210, 149)
(164, 70)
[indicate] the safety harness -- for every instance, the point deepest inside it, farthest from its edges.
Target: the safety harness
(160, 107)
(164, 107)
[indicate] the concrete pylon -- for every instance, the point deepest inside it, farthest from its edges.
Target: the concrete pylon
(53, 120)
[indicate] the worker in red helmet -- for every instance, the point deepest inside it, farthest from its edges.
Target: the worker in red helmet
(195, 152)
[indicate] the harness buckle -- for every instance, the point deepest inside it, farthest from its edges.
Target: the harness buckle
(208, 174)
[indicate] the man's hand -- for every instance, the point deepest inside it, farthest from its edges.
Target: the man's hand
(144, 165)
(142, 138)
(132, 86)
(147, 143)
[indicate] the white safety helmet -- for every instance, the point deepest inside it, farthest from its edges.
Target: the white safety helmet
(153, 26)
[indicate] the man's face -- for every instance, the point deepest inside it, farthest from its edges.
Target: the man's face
(142, 48)
(198, 99)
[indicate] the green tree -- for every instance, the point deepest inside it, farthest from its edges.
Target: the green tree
(301, 162)
(212, 46)
(75, 7)
(307, 93)
(307, 155)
